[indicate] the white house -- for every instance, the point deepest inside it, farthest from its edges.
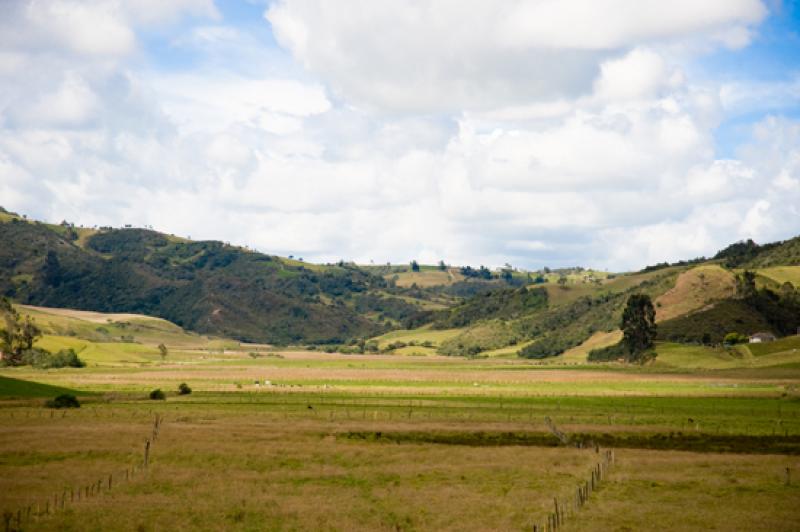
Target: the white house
(761, 337)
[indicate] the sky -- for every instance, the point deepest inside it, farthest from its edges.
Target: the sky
(610, 134)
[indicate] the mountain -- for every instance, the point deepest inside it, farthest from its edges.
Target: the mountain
(207, 286)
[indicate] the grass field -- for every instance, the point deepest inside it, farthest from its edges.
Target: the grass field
(782, 274)
(695, 289)
(419, 336)
(426, 277)
(304, 440)
(579, 354)
(559, 295)
(107, 328)
(16, 388)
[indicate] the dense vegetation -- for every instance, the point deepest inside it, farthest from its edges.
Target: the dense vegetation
(209, 287)
(749, 254)
(504, 304)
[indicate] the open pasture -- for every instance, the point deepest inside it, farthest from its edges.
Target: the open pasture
(782, 274)
(380, 442)
(277, 461)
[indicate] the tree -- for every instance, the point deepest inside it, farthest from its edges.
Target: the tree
(442, 265)
(638, 326)
(746, 284)
(17, 335)
(51, 269)
(414, 266)
(163, 351)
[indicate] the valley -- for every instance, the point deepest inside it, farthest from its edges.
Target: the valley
(447, 398)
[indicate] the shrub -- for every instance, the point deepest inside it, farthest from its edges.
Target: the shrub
(183, 389)
(40, 358)
(66, 358)
(733, 338)
(66, 400)
(157, 395)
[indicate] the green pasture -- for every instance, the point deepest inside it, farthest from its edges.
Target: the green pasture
(782, 274)
(436, 337)
(115, 327)
(17, 388)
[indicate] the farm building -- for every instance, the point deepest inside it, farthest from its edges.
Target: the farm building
(761, 337)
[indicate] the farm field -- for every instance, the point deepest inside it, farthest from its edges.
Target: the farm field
(377, 442)
(291, 439)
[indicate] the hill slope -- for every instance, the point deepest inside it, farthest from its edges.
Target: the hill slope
(207, 286)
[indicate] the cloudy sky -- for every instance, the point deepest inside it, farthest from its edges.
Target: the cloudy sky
(604, 133)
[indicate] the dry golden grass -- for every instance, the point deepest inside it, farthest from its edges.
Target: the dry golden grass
(689, 491)
(241, 470)
(250, 468)
(695, 289)
(598, 340)
(427, 278)
(90, 316)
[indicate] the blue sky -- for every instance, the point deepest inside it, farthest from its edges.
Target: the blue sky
(474, 132)
(772, 57)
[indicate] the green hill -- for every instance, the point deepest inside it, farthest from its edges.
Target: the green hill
(209, 287)
(748, 254)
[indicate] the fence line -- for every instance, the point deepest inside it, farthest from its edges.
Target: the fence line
(35, 512)
(563, 508)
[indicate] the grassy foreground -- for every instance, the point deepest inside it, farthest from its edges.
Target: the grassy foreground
(300, 440)
(338, 442)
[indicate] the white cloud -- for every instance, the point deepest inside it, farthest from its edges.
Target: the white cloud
(102, 28)
(466, 132)
(479, 55)
(71, 104)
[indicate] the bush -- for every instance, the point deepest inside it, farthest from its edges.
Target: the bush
(66, 358)
(66, 400)
(183, 389)
(40, 358)
(157, 395)
(733, 338)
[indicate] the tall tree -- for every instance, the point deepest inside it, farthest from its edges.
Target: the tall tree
(414, 266)
(17, 335)
(638, 326)
(51, 269)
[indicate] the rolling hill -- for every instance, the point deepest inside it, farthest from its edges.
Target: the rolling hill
(208, 287)
(213, 288)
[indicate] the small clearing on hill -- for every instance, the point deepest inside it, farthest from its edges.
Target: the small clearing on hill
(695, 289)
(598, 340)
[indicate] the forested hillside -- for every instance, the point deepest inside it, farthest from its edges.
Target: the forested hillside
(207, 286)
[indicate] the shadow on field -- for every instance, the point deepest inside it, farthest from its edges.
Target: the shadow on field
(677, 441)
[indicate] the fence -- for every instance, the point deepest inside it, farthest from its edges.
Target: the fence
(40, 510)
(564, 509)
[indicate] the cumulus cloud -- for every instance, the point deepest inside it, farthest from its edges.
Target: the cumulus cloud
(471, 132)
(455, 55)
